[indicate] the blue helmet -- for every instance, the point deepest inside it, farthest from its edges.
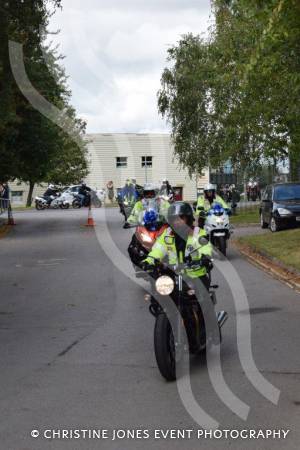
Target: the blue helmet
(150, 217)
(218, 209)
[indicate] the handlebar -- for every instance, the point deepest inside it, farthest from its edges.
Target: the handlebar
(189, 263)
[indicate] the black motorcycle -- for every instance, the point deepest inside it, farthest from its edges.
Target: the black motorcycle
(179, 324)
(89, 198)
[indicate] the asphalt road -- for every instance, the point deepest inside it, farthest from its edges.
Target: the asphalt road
(76, 344)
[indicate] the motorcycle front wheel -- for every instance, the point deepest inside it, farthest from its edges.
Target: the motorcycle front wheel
(64, 205)
(164, 347)
(96, 202)
(76, 204)
(222, 245)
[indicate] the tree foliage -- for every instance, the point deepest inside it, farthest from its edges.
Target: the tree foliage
(235, 95)
(32, 148)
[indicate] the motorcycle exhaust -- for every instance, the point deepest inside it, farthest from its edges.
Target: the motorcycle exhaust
(222, 317)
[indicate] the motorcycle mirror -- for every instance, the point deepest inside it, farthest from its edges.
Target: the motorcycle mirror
(203, 240)
(169, 240)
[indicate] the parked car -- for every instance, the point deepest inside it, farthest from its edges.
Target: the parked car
(280, 206)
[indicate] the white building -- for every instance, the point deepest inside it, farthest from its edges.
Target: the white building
(146, 157)
(116, 157)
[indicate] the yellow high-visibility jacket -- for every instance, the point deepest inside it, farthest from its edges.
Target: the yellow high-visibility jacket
(165, 248)
(203, 203)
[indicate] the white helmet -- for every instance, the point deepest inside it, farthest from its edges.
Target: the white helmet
(210, 187)
(51, 186)
(149, 190)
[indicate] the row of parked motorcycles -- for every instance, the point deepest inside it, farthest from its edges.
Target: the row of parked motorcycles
(176, 301)
(67, 199)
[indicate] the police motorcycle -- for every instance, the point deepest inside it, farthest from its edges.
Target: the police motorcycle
(151, 225)
(58, 201)
(64, 200)
(217, 226)
(126, 208)
(184, 311)
(42, 202)
(127, 197)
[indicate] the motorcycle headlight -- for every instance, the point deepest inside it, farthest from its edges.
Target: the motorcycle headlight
(146, 238)
(219, 220)
(164, 285)
(284, 212)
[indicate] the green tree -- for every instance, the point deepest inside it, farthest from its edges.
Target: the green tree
(226, 97)
(34, 147)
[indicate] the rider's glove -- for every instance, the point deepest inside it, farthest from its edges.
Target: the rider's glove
(206, 262)
(146, 266)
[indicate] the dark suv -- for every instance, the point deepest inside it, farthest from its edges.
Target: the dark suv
(280, 206)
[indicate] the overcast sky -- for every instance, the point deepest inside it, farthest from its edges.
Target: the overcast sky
(115, 53)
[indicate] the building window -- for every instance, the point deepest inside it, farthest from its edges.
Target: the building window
(146, 161)
(121, 162)
(17, 196)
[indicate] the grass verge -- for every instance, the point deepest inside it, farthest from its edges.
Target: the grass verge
(245, 216)
(22, 208)
(284, 246)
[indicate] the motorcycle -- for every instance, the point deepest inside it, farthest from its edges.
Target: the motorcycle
(65, 200)
(218, 228)
(90, 198)
(42, 203)
(146, 233)
(126, 208)
(62, 201)
(179, 325)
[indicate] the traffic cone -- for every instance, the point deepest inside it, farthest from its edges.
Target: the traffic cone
(90, 221)
(10, 220)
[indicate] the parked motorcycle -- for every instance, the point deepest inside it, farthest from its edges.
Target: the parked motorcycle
(218, 227)
(150, 228)
(179, 325)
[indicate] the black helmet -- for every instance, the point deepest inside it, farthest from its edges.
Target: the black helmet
(180, 209)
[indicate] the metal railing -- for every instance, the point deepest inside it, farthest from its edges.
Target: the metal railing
(5, 208)
(4, 205)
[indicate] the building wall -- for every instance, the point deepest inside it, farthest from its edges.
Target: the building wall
(22, 190)
(104, 148)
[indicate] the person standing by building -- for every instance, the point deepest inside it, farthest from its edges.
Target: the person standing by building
(110, 191)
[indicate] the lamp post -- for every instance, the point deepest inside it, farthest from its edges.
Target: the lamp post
(146, 173)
